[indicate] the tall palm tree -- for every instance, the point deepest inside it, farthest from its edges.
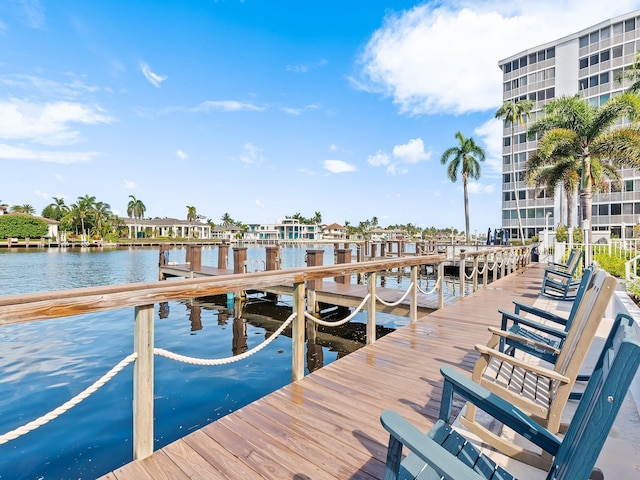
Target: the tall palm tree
(466, 156)
(572, 127)
(631, 73)
(317, 218)
(83, 209)
(101, 215)
(191, 216)
(56, 209)
(135, 209)
(513, 113)
(227, 221)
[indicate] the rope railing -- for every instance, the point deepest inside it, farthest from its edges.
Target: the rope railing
(357, 310)
(399, 301)
(224, 361)
(433, 290)
(68, 405)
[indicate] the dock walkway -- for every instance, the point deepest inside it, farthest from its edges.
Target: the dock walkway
(326, 426)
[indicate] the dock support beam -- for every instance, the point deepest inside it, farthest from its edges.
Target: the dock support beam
(440, 280)
(371, 309)
(143, 383)
(413, 308)
(297, 334)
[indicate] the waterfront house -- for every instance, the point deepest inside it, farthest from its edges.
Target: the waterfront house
(168, 227)
(334, 232)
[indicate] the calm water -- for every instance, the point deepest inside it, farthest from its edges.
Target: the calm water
(45, 363)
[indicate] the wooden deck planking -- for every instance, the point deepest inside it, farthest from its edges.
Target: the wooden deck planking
(327, 425)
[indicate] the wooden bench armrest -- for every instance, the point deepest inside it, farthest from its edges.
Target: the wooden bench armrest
(517, 338)
(517, 319)
(404, 433)
(551, 374)
(538, 312)
(496, 406)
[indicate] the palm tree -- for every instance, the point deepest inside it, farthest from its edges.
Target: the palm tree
(191, 216)
(466, 156)
(572, 127)
(227, 221)
(513, 112)
(56, 209)
(84, 208)
(101, 214)
(25, 208)
(135, 209)
(631, 73)
(317, 218)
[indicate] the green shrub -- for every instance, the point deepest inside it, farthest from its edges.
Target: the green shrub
(22, 226)
(612, 264)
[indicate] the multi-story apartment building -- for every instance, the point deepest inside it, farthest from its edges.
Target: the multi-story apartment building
(588, 63)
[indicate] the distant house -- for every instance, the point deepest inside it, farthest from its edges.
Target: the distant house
(52, 225)
(226, 233)
(168, 227)
(334, 232)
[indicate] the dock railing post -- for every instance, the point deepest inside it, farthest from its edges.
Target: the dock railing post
(143, 383)
(440, 281)
(503, 264)
(297, 333)
(494, 255)
(476, 265)
(371, 308)
(462, 273)
(413, 312)
(485, 274)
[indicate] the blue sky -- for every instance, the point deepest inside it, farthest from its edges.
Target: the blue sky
(262, 109)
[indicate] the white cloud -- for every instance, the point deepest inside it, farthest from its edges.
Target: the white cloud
(333, 147)
(380, 158)
(299, 110)
(227, 106)
(305, 67)
(411, 152)
(182, 155)
(153, 78)
(251, 155)
(477, 188)
(72, 88)
(41, 194)
(338, 166)
(259, 204)
(130, 185)
(442, 57)
(9, 152)
(490, 133)
(46, 123)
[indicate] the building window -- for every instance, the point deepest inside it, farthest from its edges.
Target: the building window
(551, 52)
(522, 138)
(541, 55)
(583, 84)
(507, 86)
(627, 208)
(605, 55)
(523, 61)
(583, 62)
(617, 51)
(630, 25)
(532, 96)
(594, 59)
(506, 178)
(605, 33)
(603, 209)
(594, 37)
(506, 159)
(617, 28)
(540, 95)
(584, 41)
(629, 48)
(604, 98)
(628, 185)
(604, 78)
(532, 58)
(506, 142)
(593, 81)
(507, 67)
(550, 93)
(522, 195)
(616, 209)
(515, 65)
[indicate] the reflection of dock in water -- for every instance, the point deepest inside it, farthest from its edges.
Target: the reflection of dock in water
(265, 314)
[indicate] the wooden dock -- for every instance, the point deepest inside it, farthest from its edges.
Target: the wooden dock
(330, 293)
(326, 426)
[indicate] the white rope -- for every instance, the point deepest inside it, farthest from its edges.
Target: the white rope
(13, 434)
(484, 267)
(470, 276)
(224, 361)
(398, 302)
(339, 322)
(433, 290)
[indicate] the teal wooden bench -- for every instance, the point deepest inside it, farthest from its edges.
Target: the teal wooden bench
(445, 453)
(559, 282)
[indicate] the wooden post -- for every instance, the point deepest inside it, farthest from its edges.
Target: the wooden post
(495, 266)
(440, 279)
(223, 256)
(413, 308)
(343, 256)
(374, 251)
(239, 259)
(462, 274)
(485, 276)
(503, 267)
(297, 334)
(272, 258)
(188, 256)
(476, 264)
(313, 258)
(383, 249)
(163, 260)
(143, 383)
(196, 258)
(371, 309)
